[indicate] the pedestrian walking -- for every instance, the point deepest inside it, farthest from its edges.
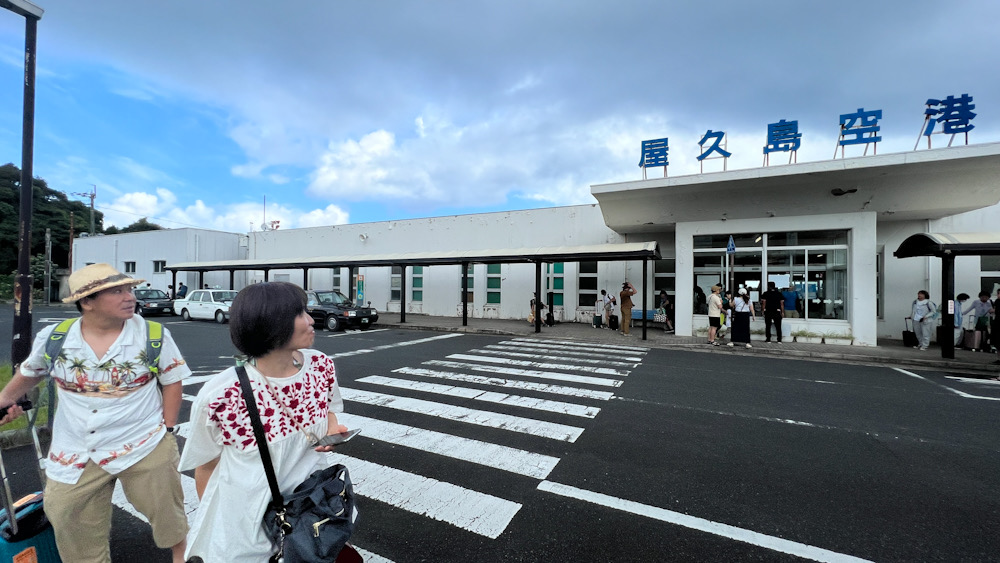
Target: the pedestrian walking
(628, 290)
(714, 314)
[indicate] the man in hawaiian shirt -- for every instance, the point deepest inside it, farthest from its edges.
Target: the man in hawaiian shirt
(114, 423)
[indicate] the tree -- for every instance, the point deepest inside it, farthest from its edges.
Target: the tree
(51, 209)
(139, 226)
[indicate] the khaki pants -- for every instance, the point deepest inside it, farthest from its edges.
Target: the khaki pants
(626, 320)
(81, 513)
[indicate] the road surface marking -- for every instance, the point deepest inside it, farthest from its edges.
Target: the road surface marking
(962, 394)
(569, 350)
(395, 345)
(610, 348)
(581, 379)
(509, 383)
(504, 458)
(512, 423)
(470, 510)
(522, 363)
(499, 350)
(560, 407)
(700, 524)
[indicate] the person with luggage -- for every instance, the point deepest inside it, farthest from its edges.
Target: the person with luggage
(297, 396)
(628, 290)
(981, 310)
(665, 307)
(923, 313)
(115, 418)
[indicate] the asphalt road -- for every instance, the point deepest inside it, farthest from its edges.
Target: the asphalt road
(668, 455)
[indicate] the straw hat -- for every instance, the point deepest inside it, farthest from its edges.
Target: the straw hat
(96, 277)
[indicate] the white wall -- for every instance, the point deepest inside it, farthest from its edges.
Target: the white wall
(171, 245)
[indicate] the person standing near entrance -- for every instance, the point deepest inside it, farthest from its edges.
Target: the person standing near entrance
(714, 314)
(628, 290)
(115, 419)
(773, 305)
(923, 313)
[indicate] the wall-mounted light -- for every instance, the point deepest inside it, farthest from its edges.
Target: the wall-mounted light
(362, 237)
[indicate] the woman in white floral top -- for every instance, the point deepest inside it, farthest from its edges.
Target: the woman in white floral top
(296, 392)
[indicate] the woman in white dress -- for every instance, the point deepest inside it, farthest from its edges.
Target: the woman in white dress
(296, 392)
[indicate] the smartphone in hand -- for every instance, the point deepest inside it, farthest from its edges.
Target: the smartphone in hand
(334, 439)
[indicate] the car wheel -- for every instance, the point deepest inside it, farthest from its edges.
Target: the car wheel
(185, 315)
(332, 323)
(220, 317)
(138, 308)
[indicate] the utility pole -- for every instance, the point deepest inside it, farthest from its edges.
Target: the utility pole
(69, 259)
(21, 333)
(92, 195)
(48, 265)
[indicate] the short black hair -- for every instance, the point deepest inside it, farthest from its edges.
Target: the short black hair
(984, 294)
(262, 317)
(962, 296)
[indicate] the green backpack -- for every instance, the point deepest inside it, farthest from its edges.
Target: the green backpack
(154, 342)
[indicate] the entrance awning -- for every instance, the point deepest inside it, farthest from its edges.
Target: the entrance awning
(949, 244)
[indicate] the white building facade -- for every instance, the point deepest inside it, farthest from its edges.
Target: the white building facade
(827, 229)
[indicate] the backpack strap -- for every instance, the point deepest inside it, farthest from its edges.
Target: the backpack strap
(154, 344)
(53, 346)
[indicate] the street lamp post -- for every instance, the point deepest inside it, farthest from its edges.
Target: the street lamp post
(21, 344)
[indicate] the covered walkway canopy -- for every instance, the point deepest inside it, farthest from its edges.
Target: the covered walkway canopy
(947, 246)
(537, 255)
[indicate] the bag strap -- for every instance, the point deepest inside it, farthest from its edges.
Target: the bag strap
(277, 500)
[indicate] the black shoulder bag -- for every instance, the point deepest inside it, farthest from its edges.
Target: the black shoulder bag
(314, 523)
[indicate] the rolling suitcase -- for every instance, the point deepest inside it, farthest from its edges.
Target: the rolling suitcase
(909, 337)
(25, 533)
(613, 322)
(972, 339)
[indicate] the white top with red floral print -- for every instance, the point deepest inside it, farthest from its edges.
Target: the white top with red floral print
(110, 409)
(227, 524)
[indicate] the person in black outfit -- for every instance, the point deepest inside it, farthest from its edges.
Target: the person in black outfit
(773, 304)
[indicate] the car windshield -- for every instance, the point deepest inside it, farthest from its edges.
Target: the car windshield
(224, 295)
(332, 298)
(150, 294)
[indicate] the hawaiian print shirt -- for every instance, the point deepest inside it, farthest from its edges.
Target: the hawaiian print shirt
(110, 409)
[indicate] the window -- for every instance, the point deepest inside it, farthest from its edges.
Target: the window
(813, 263)
(586, 281)
(989, 267)
(554, 281)
(418, 284)
(395, 283)
(493, 283)
(469, 285)
(664, 279)
(129, 267)
(336, 279)
(159, 266)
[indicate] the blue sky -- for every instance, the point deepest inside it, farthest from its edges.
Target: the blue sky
(192, 113)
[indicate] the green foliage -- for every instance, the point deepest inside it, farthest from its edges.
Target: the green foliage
(50, 210)
(139, 226)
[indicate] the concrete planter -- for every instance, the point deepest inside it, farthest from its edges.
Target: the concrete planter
(838, 341)
(809, 339)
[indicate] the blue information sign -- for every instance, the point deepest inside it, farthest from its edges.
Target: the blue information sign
(731, 247)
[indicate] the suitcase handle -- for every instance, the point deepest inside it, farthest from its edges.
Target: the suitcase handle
(25, 404)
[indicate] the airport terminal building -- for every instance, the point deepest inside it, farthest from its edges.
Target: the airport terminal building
(827, 229)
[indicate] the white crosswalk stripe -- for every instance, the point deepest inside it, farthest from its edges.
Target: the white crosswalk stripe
(556, 376)
(572, 409)
(491, 419)
(521, 372)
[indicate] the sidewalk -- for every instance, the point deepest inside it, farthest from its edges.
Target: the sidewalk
(888, 352)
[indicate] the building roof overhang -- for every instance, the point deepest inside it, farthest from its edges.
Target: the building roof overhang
(954, 244)
(549, 254)
(926, 184)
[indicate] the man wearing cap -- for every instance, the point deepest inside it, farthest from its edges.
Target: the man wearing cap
(114, 423)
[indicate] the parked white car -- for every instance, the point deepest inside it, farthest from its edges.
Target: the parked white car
(205, 304)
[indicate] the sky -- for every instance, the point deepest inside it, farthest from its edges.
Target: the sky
(227, 115)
